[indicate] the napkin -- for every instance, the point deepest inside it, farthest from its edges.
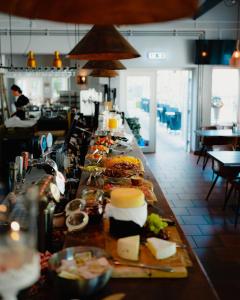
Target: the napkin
(136, 214)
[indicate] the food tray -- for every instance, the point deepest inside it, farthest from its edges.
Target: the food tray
(179, 262)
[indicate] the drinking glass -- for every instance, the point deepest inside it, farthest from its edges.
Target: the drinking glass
(19, 259)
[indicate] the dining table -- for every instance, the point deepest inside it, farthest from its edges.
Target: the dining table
(217, 133)
(196, 285)
(211, 137)
(226, 158)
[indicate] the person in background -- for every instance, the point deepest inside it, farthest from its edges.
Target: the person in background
(21, 102)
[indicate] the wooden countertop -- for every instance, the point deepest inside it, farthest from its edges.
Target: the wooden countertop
(196, 286)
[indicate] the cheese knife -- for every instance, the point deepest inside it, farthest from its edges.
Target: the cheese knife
(145, 266)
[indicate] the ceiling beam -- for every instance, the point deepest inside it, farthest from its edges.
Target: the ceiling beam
(205, 7)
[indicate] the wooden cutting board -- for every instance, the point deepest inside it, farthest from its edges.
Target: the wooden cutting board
(146, 187)
(179, 262)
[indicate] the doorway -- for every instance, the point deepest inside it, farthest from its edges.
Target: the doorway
(141, 104)
(174, 102)
(161, 101)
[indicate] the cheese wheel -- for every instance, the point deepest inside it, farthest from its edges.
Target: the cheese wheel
(128, 247)
(127, 198)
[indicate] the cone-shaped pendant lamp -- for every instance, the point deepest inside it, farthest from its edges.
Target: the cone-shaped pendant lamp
(104, 73)
(235, 59)
(103, 43)
(104, 64)
(31, 61)
(101, 11)
(57, 62)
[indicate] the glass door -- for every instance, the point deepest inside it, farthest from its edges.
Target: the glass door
(174, 94)
(141, 105)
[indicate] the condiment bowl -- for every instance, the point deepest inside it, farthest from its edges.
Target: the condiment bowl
(70, 288)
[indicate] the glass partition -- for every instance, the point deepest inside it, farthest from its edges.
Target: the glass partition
(141, 106)
(225, 94)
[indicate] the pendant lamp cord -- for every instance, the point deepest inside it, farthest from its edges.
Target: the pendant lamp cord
(238, 26)
(30, 38)
(1, 62)
(75, 35)
(10, 40)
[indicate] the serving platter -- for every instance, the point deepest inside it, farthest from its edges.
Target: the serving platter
(178, 262)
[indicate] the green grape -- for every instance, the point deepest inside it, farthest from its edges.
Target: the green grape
(155, 223)
(151, 227)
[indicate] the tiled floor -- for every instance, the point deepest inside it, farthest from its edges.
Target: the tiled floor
(209, 230)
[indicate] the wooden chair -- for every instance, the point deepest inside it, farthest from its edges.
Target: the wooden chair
(204, 143)
(227, 173)
(235, 186)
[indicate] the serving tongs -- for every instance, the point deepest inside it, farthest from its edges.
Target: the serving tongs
(144, 266)
(95, 176)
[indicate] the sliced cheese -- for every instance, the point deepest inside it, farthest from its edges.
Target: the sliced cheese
(160, 248)
(68, 275)
(127, 198)
(128, 247)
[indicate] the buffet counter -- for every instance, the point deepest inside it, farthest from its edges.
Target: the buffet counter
(188, 281)
(195, 286)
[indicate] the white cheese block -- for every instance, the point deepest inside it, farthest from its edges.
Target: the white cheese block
(160, 248)
(128, 247)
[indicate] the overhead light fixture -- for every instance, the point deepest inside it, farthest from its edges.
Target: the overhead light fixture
(81, 76)
(235, 59)
(81, 79)
(31, 61)
(204, 53)
(102, 12)
(103, 43)
(104, 64)
(104, 73)
(57, 62)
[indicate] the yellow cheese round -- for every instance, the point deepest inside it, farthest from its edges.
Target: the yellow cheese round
(127, 198)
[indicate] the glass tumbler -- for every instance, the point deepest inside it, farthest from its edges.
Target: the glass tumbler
(19, 259)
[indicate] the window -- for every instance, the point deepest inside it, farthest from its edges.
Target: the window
(225, 89)
(59, 84)
(138, 104)
(40, 90)
(32, 87)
